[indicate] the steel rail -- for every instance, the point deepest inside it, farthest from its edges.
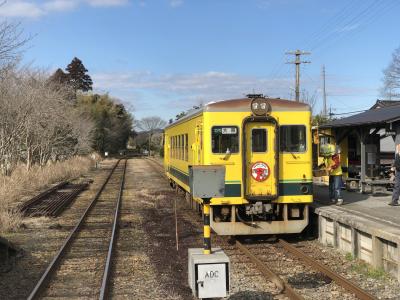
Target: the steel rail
(283, 286)
(51, 267)
(339, 279)
(40, 196)
(107, 268)
(53, 206)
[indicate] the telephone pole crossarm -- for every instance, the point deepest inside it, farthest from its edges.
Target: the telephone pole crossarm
(297, 62)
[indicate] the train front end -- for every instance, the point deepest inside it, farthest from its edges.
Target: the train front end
(265, 145)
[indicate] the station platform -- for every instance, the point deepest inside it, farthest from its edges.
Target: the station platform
(364, 225)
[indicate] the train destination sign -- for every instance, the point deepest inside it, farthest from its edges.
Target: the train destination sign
(229, 130)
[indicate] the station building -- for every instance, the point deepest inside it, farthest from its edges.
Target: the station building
(365, 225)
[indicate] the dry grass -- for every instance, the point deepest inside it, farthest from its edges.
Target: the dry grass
(23, 183)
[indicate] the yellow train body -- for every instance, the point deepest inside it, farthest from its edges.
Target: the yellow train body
(268, 161)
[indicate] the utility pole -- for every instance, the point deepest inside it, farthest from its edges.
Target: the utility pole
(297, 62)
(324, 111)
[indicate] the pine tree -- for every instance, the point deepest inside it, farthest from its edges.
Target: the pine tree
(78, 77)
(59, 77)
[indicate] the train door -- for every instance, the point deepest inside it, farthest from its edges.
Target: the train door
(260, 160)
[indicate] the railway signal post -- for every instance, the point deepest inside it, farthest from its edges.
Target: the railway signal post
(206, 229)
(208, 267)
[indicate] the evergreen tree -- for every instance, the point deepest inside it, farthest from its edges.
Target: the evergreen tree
(59, 77)
(113, 124)
(78, 77)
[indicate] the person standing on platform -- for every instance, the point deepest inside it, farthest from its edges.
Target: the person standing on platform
(396, 189)
(332, 165)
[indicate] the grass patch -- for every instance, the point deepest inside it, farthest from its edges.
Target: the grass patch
(349, 256)
(24, 183)
(367, 270)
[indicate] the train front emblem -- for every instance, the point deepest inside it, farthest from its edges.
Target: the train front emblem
(260, 171)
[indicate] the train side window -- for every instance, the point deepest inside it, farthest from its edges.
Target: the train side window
(259, 140)
(186, 147)
(292, 138)
(174, 147)
(182, 144)
(225, 139)
(170, 147)
(179, 147)
(182, 147)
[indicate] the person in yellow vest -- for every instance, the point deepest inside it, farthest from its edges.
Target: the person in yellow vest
(332, 165)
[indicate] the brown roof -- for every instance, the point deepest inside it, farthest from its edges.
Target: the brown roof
(244, 105)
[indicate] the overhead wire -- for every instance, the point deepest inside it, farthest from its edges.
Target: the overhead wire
(371, 18)
(346, 23)
(332, 22)
(353, 14)
(280, 71)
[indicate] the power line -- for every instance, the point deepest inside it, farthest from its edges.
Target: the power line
(332, 22)
(347, 23)
(347, 113)
(371, 17)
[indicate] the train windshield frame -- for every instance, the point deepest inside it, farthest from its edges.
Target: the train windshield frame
(225, 139)
(292, 138)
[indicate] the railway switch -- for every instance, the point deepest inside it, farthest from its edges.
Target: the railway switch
(208, 273)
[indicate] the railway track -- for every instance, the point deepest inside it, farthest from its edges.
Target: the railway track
(53, 201)
(260, 256)
(274, 259)
(82, 266)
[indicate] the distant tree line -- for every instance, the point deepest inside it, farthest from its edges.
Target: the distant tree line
(112, 123)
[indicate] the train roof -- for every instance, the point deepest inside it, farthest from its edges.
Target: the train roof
(243, 105)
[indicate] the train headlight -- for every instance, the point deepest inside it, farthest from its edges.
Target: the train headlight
(260, 107)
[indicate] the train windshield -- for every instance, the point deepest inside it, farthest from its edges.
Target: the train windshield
(292, 138)
(225, 139)
(259, 140)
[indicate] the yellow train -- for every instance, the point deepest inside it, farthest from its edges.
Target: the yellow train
(265, 145)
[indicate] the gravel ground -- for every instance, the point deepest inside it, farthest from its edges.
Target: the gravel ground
(147, 264)
(381, 285)
(247, 283)
(40, 238)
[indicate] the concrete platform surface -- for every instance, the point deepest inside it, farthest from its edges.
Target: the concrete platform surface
(366, 205)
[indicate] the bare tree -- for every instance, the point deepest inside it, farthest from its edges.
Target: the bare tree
(391, 77)
(310, 99)
(37, 122)
(11, 42)
(150, 124)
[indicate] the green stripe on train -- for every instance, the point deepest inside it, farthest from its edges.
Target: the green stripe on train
(235, 190)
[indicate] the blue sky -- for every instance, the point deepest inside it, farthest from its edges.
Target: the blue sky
(164, 56)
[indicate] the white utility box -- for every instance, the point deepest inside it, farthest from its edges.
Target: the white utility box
(208, 273)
